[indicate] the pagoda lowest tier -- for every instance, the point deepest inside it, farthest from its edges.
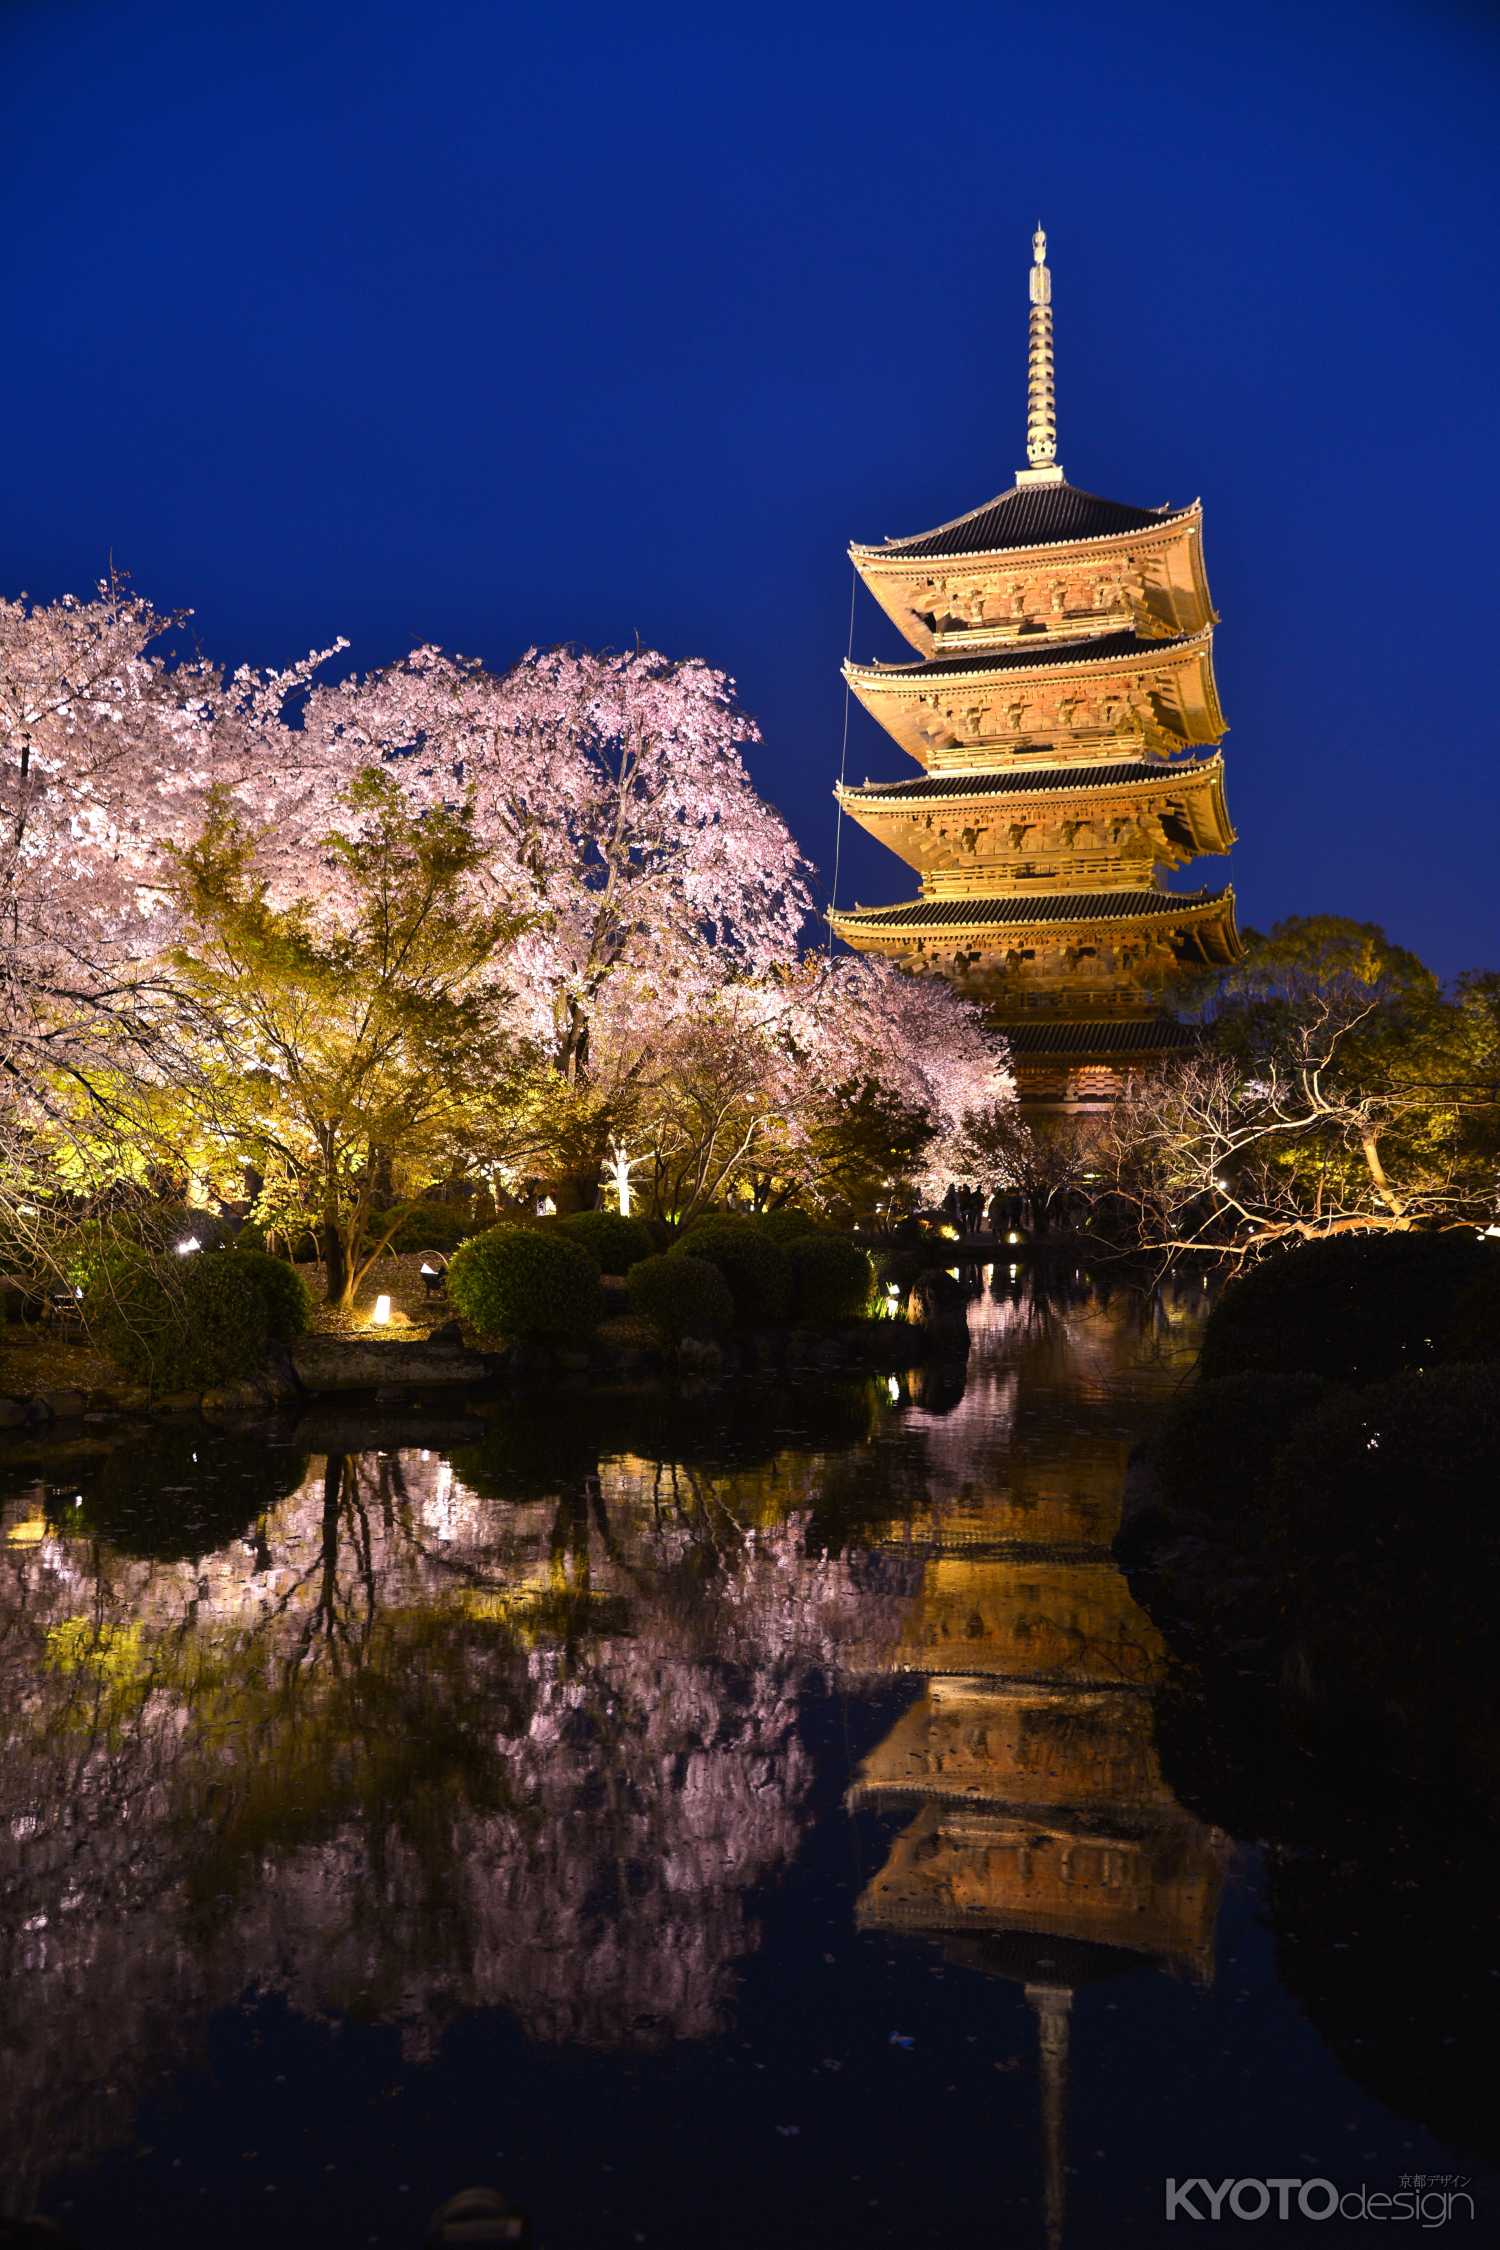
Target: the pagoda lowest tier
(1064, 680)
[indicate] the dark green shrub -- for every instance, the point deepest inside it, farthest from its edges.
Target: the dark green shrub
(682, 1295)
(1214, 1455)
(520, 1282)
(187, 1323)
(757, 1269)
(1385, 1504)
(614, 1243)
(1407, 1472)
(787, 1226)
(832, 1278)
(1471, 1331)
(1358, 1309)
(284, 1293)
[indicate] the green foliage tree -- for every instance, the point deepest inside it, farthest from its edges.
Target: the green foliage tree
(1339, 1088)
(861, 1151)
(353, 1042)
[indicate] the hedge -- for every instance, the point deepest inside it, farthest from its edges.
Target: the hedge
(519, 1282)
(832, 1278)
(187, 1323)
(757, 1269)
(1396, 1476)
(787, 1226)
(1359, 1308)
(613, 1242)
(1213, 1456)
(681, 1295)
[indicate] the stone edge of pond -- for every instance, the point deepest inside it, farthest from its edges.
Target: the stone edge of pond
(320, 1366)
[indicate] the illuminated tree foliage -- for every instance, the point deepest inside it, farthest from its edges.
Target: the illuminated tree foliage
(348, 940)
(1338, 1089)
(349, 1057)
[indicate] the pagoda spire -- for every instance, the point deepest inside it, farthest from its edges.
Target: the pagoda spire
(1051, 2003)
(1041, 386)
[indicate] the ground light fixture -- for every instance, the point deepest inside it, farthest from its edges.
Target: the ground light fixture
(186, 1249)
(382, 1313)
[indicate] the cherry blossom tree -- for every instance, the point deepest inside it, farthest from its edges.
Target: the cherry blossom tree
(659, 902)
(829, 1082)
(109, 750)
(612, 797)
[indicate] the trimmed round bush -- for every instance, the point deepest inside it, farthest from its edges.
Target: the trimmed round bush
(758, 1271)
(184, 1324)
(1357, 1309)
(519, 1282)
(832, 1278)
(614, 1243)
(681, 1295)
(787, 1226)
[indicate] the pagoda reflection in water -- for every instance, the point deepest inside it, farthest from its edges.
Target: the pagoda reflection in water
(1043, 1845)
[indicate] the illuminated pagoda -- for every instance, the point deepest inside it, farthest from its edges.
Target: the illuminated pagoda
(1063, 714)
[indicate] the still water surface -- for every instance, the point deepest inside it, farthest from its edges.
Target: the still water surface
(729, 1821)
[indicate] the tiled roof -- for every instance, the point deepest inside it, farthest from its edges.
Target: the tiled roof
(1052, 906)
(1112, 1038)
(1016, 781)
(1023, 655)
(1029, 515)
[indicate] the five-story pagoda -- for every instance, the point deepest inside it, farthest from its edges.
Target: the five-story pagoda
(1064, 685)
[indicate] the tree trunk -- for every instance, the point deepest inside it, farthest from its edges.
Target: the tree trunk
(335, 1264)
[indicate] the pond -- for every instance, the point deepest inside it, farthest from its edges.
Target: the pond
(737, 1819)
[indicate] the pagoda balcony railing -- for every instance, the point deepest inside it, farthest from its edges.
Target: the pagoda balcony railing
(1068, 624)
(1069, 1001)
(1135, 737)
(1010, 879)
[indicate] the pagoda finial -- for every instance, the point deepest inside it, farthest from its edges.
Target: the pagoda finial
(1041, 387)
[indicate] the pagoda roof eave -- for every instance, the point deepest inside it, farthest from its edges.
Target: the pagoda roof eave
(955, 789)
(1069, 1038)
(950, 541)
(1062, 657)
(900, 821)
(955, 919)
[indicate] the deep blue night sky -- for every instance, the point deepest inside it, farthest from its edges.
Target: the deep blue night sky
(487, 325)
